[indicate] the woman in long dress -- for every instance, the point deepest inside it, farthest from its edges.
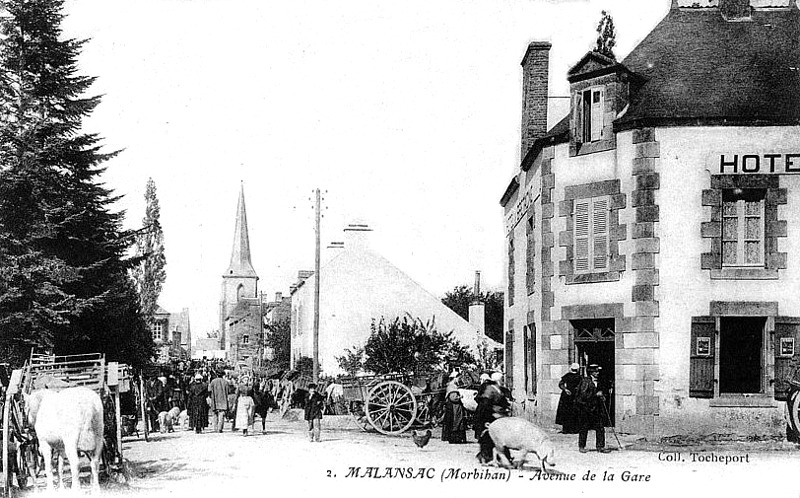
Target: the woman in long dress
(198, 408)
(245, 411)
(565, 414)
(454, 426)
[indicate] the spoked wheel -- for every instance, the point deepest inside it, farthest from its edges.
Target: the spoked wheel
(794, 411)
(391, 408)
(430, 410)
(356, 409)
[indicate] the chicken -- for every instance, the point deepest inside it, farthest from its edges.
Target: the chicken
(421, 438)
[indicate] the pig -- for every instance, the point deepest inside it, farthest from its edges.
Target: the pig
(513, 433)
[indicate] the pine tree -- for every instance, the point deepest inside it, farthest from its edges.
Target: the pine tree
(149, 274)
(606, 35)
(64, 283)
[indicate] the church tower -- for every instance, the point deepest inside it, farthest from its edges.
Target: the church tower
(239, 284)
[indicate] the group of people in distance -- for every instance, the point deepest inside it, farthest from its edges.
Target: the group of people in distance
(582, 406)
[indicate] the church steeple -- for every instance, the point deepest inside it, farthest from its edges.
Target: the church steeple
(240, 265)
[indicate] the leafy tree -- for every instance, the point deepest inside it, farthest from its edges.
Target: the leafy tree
(606, 35)
(64, 280)
(410, 346)
(462, 296)
(277, 338)
(149, 274)
(352, 361)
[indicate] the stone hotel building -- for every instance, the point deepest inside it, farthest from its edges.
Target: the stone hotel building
(654, 229)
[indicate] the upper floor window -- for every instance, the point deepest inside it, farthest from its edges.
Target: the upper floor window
(591, 235)
(530, 256)
(511, 270)
(743, 227)
(245, 339)
(157, 330)
(591, 114)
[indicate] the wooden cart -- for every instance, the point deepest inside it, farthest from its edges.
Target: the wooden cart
(18, 445)
(392, 404)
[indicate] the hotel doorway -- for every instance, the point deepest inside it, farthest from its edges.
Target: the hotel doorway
(594, 342)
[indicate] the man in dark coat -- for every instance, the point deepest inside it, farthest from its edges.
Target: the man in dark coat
(218, 394)
(590, 411)
(314, 404)
(492, 404)
(156, 401)
(565, 414)
(197, 406)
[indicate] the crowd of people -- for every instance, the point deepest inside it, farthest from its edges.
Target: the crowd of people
(210, 395)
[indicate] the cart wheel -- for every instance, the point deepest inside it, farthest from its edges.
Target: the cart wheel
(391, 407)
(794, 411)
(356, 409)
(430, 410)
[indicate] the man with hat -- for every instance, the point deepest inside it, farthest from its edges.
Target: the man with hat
(590, 410)
(565, 414)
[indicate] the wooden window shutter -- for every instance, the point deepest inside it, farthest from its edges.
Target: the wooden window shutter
(525, 358)
(577, 114)
(582, 220)
(787, 341)
(701, 358)
(509, 360)
(600, 234)
(531, 352)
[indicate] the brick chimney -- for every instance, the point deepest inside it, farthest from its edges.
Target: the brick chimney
(734, 9)
(535, 75)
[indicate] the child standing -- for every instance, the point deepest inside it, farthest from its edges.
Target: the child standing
(313, 412)
(245, 411)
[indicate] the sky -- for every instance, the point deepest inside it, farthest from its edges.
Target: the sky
(405, 113)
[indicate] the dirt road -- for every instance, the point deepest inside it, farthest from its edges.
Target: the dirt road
(354, 463)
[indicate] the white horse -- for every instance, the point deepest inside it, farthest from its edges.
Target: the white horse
(68, 421)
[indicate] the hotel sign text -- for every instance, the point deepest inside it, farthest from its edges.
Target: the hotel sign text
(520, 210)
(744, 164)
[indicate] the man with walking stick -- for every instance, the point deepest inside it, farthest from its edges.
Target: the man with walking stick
(591, 411)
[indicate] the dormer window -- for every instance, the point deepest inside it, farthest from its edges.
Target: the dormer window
(599, 87)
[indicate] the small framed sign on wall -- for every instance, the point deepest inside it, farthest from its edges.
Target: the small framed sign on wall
(703, 346)
(786, 346)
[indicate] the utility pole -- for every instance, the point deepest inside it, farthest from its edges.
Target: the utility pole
(317, 216)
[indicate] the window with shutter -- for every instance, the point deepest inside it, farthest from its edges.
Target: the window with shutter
(577, 119)
(787, 335)
(525, 358)
(531, 353)
(586, 118)
(597, 114)
(701, 358)
(511, 270)
(591, 235)
(530, 257)
(509, 359)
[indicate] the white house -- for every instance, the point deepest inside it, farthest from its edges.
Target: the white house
(357, 286)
